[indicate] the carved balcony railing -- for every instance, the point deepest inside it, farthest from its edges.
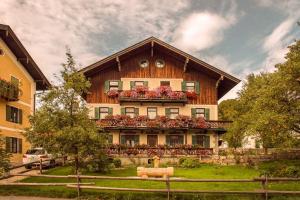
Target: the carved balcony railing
(161, 123)
(160, 150)
(9, 91)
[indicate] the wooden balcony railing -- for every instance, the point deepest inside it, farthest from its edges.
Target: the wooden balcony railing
(9, 91)
(161, 123)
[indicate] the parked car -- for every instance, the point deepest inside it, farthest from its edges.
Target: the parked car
(36, 154)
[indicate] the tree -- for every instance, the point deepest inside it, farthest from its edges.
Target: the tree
(4, 157)
(62, 124)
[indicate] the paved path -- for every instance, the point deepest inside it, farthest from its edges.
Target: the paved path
(28, 198)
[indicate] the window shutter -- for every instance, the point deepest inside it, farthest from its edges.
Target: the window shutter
(8, 144)
(193, 112)
(206, 141)
(197, 87)
(146, 83)
(136, 111)
(97, 113)
(183, 86)
(181, 139)
(167, 112)
(19, 145)
(110, 111)
(120, 85)
(123, 139)
(20, 116)
(136, 139)
(207, 113)
(168, 140)
(122, 111)
(194, 140)
(8, 113)
(131, 85)
(106, 86)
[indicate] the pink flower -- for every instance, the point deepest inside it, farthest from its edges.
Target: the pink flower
(113, 93)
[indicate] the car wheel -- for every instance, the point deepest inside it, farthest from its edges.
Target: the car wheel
(28, 166)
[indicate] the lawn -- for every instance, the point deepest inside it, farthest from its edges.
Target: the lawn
(205, 172)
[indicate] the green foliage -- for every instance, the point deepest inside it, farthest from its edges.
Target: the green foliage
(62, 124)
(189, 163)
(286, 168)
(99, 163)
(117, 162)
(268, 106)
(4, 157)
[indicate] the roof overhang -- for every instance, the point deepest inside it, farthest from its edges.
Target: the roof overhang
(225, 81)
(14, 44)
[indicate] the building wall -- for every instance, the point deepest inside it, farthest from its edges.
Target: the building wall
(9, 66)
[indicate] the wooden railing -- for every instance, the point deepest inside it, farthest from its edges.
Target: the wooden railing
(9, 91)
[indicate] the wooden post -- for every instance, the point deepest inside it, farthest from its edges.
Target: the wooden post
(41, 166)
(264, 183)
(168, 186)
(78, 184)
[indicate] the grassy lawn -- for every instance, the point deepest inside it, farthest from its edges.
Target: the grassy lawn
(205, 172)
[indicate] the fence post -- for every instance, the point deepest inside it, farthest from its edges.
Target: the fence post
(264, 183)
(41, 166)
(78, 184)
(168, 186)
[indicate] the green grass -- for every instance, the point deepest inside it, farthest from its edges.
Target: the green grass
(204, 172)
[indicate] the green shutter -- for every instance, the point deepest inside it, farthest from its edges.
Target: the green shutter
(8, 113)
(194, 139)
(120, 85)
(206, 141)
(146, 83)
(136, 139)
(97, 113)
(167, 112)
(20, 116)
(123, 139)
(8, 144)
(19, 145)
(168, 140)
(110, 111)
(183, 86)
(131, 85)
(122, 111)
(207, 113)
(193, 112)
(197, 87)
(106, 86)
(136, 111)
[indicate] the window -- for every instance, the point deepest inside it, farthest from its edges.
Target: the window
(159, 63)
(113, 85)
(13, 114)
(110, 139)
(200, 112)
(152, 112)
(130, 111)
(165, 83)
(201, 140)
(13, 145)
(173, 140)
(152, 140)
(144, 63)
(103, 112)
(130, 140)
(190, 86)
(174, 112)
(139, 83)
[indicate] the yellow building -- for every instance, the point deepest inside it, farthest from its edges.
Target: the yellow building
(20, 77)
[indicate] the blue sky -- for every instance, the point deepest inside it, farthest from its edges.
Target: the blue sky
(239, 37)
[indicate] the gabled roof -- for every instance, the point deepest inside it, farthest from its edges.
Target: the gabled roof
(14, 44)
(228, 81)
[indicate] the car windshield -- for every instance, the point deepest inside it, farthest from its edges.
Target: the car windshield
(35, 151)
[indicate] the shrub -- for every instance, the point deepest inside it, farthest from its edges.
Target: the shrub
(117, 162)
(190, 163)
(181, 160)
(98, 163)
(280, 169)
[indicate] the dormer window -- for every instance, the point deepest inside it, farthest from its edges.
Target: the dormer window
(159, 63)
(144, 63)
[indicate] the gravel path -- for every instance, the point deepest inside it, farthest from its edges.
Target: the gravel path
(18, 178)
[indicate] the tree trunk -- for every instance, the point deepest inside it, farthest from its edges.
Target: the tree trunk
(76, 164)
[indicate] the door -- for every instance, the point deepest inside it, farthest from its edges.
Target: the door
(152, 140)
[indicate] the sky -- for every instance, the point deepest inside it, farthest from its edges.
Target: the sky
(237, 36)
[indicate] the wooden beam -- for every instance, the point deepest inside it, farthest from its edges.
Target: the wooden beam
(185, 64)
(119, 64)
(219, 80)
(22, 59)
(6, 33)
(152, 45)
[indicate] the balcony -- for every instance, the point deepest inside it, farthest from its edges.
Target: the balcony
(9, 91)
(162, 94)
(124, 122)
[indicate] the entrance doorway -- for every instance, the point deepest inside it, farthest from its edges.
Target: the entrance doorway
(152, 140)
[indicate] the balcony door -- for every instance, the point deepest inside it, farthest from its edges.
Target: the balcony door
(152, 140)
